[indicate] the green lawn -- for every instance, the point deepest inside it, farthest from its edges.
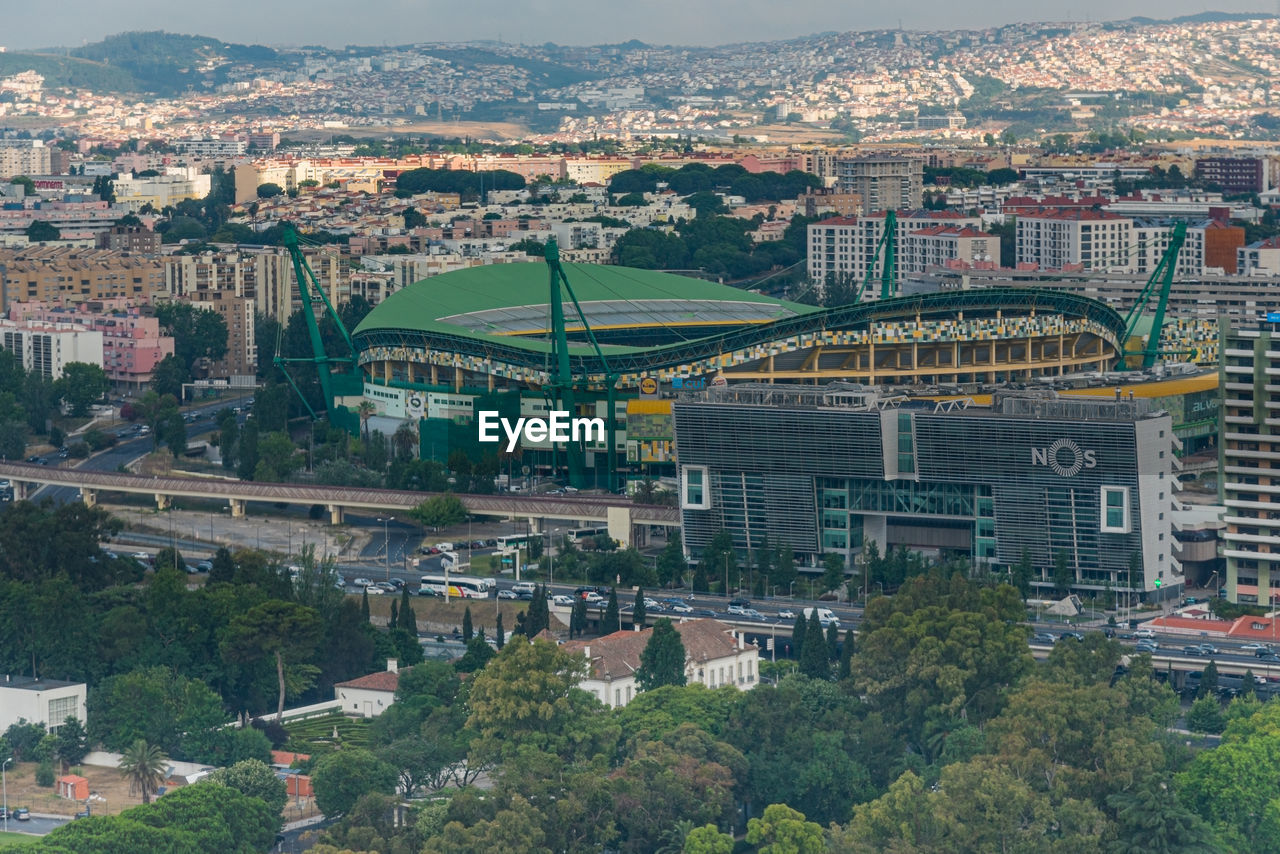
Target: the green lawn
(14, 838)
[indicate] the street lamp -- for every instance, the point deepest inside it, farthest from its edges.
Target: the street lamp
(4, 781)
(791, 591)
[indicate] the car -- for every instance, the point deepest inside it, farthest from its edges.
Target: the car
(508, 594)
(397, 583)
(362, 582)
(1144, 633)
(593, 598)
(786, 614)
(524, 587)
(703, 612)
(562, 600)
(751, 614)
(678, 607)
(1072, 636)
(1208, 649)
(1263, 652)
(204, 566)
(739, 603)
(490, 543)
(1254, 647)
(374, 590)
(386, 586)
(1147, 646)
(82, 814)
(35, 459)
(652, 604)
(1043, 638)
(1270, 656)
(141, 556)
(477, 544)
(1192, 650)
(524, 596)
(21, 814)
(737, 610)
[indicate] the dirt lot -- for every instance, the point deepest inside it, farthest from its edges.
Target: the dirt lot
(107, 782)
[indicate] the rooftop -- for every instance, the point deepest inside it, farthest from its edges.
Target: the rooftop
(617, 656)
(26, 683)
(383, 680)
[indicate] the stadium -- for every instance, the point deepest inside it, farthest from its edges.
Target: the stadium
(481, 338)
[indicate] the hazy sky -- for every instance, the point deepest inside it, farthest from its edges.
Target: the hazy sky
(372, 22)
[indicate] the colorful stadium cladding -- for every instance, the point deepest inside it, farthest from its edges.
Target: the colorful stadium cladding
(451, 345)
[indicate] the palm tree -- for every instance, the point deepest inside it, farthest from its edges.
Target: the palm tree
(144, 766)
(404, 440)
(365, 411)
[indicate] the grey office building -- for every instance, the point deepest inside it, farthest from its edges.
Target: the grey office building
(826, 469)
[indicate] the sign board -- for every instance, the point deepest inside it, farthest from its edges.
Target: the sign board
(648, 387)
(1273, 317)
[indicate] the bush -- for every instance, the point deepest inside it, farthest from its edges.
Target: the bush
(97, 440)
(273, 730)
(79, 450)
(44, 774)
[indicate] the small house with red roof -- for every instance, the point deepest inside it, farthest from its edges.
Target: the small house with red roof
(369, 696)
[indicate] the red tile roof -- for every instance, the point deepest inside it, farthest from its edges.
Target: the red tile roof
(617, 656)
(383, 680)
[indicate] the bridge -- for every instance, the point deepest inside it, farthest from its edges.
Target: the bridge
(619, 514)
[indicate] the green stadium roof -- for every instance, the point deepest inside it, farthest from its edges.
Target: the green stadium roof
(482, 301)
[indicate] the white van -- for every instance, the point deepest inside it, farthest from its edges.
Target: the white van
(825, 617)
(445, 547)
(524, 587)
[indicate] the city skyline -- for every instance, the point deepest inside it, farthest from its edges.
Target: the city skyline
(703, 22)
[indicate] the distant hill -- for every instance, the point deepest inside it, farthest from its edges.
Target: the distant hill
(169, 63)
(69, 71)
(1199, 18)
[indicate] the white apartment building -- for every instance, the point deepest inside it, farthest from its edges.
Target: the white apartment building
(1075, 239)
(24, 157)
(1261, 258)
(846, 246)
(939, 245)
(715, 655)
(211, 147)
(178, 185)
(50, 347)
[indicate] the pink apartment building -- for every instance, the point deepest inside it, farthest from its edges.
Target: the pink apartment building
(132, 344)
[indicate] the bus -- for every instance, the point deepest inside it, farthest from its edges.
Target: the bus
(577, 535)
(459, 586)
(513, 542)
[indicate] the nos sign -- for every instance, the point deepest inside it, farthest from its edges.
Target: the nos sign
(1065, 457)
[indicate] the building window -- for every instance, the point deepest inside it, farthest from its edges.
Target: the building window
(60, 708)
(694, 488)
(1115, 510)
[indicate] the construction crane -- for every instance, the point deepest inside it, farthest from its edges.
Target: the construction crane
(1158, 285)
(562, 385)
(886, 248)
(345, 380)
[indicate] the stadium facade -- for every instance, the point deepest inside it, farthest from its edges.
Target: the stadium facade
(829, 469)
(479, 339)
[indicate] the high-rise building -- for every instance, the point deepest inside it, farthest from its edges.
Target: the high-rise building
(57, 274)
(132, 344)
(846, 246)
(1080, 480)
(1249, 460)
(883, 182)
(24, 157)
(237, 312)
(47, 348)
(1233, 174)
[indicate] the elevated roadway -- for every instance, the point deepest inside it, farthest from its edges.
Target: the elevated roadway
(620, 515)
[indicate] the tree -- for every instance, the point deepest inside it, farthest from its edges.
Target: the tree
(278, 458)
(833, 642)
(199, 334)
(80, 386)
(1208, 681)
(441, 511)
(173, 432)
(366, 410)
(341, 777)
(846, 656)
(143, 765)
(285, 631)
(1063, 577)
(1149, 820)
(707, 840)
(269, 190)
(1206, 716)
(612, 622)
(783, 830)
(833, 572)
(798, 631)
(467, 631)
(153, 704)
(578, 617)
(224, 567)
(814, 661)
(638, 615)
(499, 632)
(662, 661)
(71, 742)
(168, 376)
(40, 231)
(256, 779)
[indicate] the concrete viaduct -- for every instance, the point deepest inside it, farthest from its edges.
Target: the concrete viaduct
(627, 522)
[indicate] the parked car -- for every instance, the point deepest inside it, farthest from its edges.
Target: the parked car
(362, 582)
(375, 590)
(204, 565)
(562, 599)
(508, 594)
(22, 814)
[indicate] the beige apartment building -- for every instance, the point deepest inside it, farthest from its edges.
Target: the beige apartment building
(59, 274)
(264, 276)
